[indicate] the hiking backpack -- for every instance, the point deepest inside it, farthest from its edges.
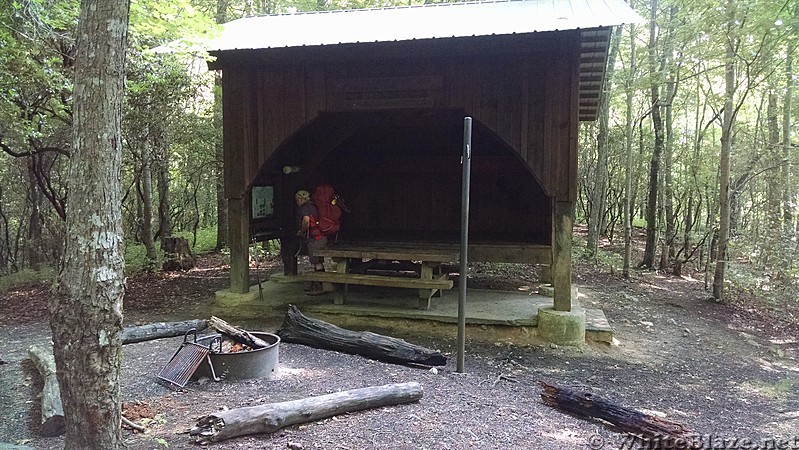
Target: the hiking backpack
(329, 220)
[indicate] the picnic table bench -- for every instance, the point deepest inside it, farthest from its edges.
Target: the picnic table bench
(350, 256)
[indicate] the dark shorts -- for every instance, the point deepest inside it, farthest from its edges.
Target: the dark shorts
(313, 246)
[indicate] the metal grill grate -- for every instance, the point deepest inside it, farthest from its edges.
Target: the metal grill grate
(183, 363)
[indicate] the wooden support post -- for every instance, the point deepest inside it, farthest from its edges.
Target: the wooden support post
(340, 291)
(425, 273)
(238, 240)
(545, 276)
(562, 223)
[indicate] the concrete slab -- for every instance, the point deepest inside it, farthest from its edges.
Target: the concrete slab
(484, 308)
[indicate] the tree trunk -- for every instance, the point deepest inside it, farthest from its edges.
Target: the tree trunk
(33, 250)
(652, 431)
(221, 200)
(274, 416)
(668, 148)
(147, 206)
(599, 193)
(657, 151)
(164, 199)
(772, 242)
(787, 193)
(628, 145)
(300, 329)
(724, 164)
(86, 310)
(159, 330)
(52, 410)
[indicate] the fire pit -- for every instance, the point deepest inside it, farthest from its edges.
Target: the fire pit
(239, 365)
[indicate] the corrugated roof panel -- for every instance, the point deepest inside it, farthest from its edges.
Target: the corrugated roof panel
(421, 22)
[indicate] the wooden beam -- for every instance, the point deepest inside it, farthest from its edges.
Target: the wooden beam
(238, 241)
(561, 255)
(378, 280)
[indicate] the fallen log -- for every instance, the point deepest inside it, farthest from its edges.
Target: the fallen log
(237, 334)
(161, 330)
(652, 431)
(300, 329)
(53, 423)
(271, 417)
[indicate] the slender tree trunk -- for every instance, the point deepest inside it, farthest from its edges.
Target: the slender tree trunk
(596, 220)
(773, 188)
(86, 310)
(668, 151)
(628, 144)
(787, 193)
(221, 200)
(657, 152)
(33, 250)
(724, 163)
(147, 206)
(164, 198)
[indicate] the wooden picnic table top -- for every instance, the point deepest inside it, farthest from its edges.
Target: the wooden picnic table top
(393, 251)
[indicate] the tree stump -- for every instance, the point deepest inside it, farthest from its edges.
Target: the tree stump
(271, 417)
(300, 329)
(53, 423)
(177, 254)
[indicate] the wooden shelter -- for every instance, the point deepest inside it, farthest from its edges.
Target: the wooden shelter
(373, 101)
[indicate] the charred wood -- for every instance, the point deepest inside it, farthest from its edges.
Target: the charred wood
(300, 329)
(237, 334)
(652, 431)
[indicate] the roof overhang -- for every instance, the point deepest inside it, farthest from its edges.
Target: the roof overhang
(443, 21)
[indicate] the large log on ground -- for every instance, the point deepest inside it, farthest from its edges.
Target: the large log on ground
(161, 330)
(271, 417)
(300, 329)
(52, 411)
(652, 431)
(237, 334)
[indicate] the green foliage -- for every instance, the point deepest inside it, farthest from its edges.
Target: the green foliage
(27, 277)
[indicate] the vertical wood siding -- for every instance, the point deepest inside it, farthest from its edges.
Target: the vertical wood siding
(384, 142)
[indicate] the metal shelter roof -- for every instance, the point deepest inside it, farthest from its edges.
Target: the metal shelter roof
(441, 21)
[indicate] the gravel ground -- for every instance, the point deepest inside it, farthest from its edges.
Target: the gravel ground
(713, 368)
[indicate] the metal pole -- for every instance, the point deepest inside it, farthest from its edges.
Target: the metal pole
(466, 161)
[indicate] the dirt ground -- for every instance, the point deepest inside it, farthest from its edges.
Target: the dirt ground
(726, 372)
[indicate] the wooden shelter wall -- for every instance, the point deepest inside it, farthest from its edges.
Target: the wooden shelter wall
(528, 99)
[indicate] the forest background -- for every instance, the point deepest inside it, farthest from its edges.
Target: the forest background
(695, 144)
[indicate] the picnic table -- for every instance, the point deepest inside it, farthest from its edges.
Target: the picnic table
(353, 262)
